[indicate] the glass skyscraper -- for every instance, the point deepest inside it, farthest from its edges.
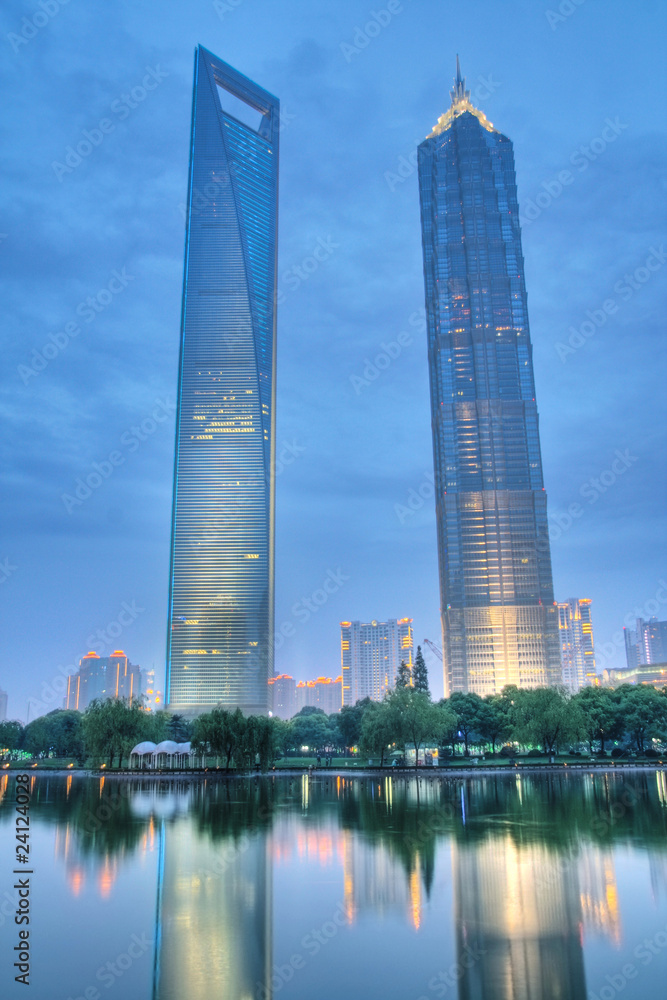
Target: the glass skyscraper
(499, 620)
(221, 597)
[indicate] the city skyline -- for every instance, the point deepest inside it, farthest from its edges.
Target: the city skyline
(349, 283)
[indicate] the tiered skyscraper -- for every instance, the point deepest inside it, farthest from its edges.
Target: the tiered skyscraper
(499, 621)
(221, 597)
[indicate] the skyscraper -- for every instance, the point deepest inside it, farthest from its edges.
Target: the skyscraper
(370, 656)
(221, 598)
(577, 651)
(498, 615)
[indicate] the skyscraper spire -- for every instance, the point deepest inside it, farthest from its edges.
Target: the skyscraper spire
(460, 105)
(458, 92)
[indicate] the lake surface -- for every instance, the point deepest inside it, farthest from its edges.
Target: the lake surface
(533, 887)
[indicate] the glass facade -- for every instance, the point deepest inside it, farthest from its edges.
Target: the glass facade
(219, 643)
(499, 620)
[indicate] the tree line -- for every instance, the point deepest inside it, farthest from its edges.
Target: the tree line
(544, 720)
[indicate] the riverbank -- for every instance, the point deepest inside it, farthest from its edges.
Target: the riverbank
(428, 773)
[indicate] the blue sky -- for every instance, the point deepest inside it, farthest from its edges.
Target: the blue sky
(580, 92)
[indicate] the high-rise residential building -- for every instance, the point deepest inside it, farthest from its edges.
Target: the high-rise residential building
(221, 593)
(370, 654)
(646, 643)
(577, 651)
(3, 705)
(324, 693)
(329, 694)
(282, 696)
(102, 677)
(499, 621)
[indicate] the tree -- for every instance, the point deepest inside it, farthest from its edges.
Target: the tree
(403, 676)
(414, 718)
(219, 733)
(311, 730)
(420, 673)
(179, 729)
(378, 730)
(643, 712)
(467, 709)
(493, 723)
(548, 717)
(10, 735)
(349, 721)
(36, 738)
(601, 714)
(111, 728)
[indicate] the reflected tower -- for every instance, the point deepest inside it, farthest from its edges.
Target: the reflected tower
(213, 926)
(221, 598)
(498, 616)
(518, 922)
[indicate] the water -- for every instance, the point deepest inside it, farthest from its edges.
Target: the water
(534, 887)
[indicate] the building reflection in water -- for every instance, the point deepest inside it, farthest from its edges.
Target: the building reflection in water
(518, 922)
(213, 921)
(599, 895)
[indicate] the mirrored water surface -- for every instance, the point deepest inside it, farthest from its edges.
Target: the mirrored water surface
(530, 887)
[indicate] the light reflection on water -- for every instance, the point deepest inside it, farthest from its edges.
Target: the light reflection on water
(509, 887)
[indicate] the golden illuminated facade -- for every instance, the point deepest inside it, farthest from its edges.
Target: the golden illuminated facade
(577, 650)
(371, 654)
(324, 692)
(102, 677)
(518, 922)
(221, 586)
(498, 615)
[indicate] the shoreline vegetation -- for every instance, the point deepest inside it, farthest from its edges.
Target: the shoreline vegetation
(459, 769)
(546, 727)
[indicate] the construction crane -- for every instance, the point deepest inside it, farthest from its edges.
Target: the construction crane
(434, 649)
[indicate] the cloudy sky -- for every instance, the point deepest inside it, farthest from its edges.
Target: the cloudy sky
(581, 92)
